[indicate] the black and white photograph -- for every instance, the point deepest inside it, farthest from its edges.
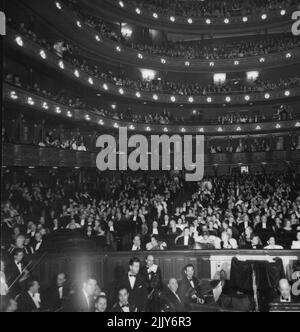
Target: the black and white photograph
(150, 159)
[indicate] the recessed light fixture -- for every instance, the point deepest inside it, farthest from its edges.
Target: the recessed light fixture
(57, 110)
(148, 129)
(247, 98)
(121, 91)
(58, 5)
(45, 106)
(297, 124)
(118, 49)
(211, 64)
(262, 60)
(140, 56)
(282, 12)
(187, 63)
(278, 126)
(288, 55)
(87, 117)
(132, 127)
(258, 127)
(78, 23)
(201, 130)
(209, 99)
(228, 99)
(113, 106)
(155, 97)
(101, 122)
(163, 61)
(183, 130)
(116, 125)
(226, 21)
(121, 4)
(69, 114)
(43, 54)
(61, 64)
(236, 62)
(166, 130)
(97, 37)
(220, 129)
(13, 95)
(238, 129)
(138, 11)
(30, 101)
(105, 86)
(190, 21)
(19, 41)
(155, 15)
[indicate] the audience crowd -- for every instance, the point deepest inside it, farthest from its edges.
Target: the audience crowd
(210, 9)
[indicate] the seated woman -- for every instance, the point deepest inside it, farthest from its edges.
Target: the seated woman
(155, 244)
(296, 244)
(272, 244)
(227, 242)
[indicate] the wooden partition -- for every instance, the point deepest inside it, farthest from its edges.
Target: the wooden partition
(105, 267)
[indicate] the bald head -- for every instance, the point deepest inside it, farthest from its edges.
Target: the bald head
(173, 285)
(284, 288)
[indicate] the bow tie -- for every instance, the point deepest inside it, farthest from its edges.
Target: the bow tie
(132, 276)
(125, 306)
(19, 263)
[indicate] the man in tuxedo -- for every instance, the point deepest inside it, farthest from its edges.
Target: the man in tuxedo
(123, 305)
(16, 273)
(83, 301)
(152, 275)
(57, 293)
(170, 299)
(137, 243)
(189, 289)
(101, 304)
(186, 240)
(30, 300)
(285, 291)
(38, 244)
(134, 282)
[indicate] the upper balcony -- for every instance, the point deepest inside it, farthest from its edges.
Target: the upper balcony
(118, 52)
(48, 58)
(25, 99)
(191, 21)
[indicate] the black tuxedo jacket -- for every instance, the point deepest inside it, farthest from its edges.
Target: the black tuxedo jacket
(53, 300)
(26, 303)
(153, 280)
(180, 242)
(118, 308)
(12, 274)
(170, 302)
(42, 247)
(138, 296)
(186, 291)
(78, 303)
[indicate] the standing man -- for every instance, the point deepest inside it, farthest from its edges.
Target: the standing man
(171, 300)
(134, 282)
(153, 277)
(30, 300)
(58, 293)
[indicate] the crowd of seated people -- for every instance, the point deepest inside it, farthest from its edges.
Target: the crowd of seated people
(250, 212)
(163, 86)
(210, 9)
(196, 49)
(224, 213)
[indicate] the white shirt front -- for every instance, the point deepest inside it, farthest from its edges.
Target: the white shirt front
(135, 248)
(296, 245)
(19, 266)
(61, 292)
(36, 299)
(132, 280)
(38, 245)
(186, 241)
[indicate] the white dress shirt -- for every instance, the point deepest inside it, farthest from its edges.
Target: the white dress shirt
(132, 280)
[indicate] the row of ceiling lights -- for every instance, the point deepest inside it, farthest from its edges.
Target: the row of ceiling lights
(207, 21)
(30, 101)
(155, 97)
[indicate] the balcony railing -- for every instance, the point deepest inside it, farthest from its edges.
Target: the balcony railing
(19, 96)
(170, 22)
(48, 58)
(23, 155)
(88, 38)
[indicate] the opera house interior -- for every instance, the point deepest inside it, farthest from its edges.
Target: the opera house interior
(76, 237)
